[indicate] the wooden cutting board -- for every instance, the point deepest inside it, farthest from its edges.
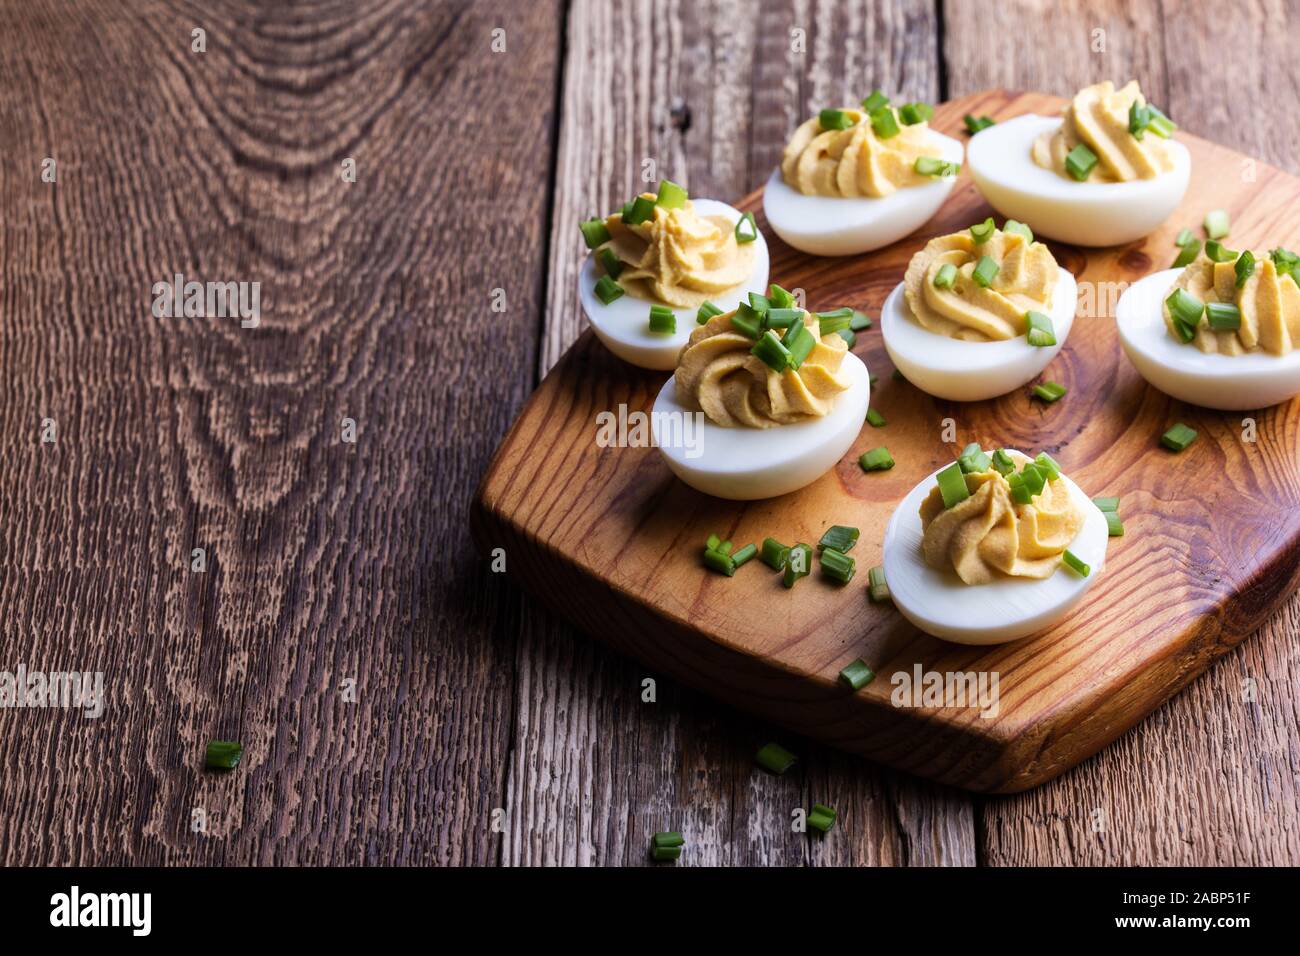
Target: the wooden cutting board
(610, 539)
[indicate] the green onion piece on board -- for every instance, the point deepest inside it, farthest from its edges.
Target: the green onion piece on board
(1020, 493)
(1186, 308)
(774, 554)
(875, 419)
(821, 818)
(883, 122)
(643, 208)
(750, 229)
(1218, 252)
(1184, 237)
(1075, 564)
(1040, 331)
(1245, 267)
(878, 459)
(848, 336)
(1106, 504)
(831, 322)
(1178, 437)
(1079, 162)
(1216, 223)
(834, 119)
(780, 298)
(1114, 527)
(1034, 478)
(875, 101)
(982, 231)
(746, 321)
(607, 290)
(713, 543)
(878, 590)
(840, 537)
(671, 196)
(913, 113)
(610, 262)
(857, 675)
(1017, 228)
(798, 341)
(986, 271)
(1047, 465)
(1049, 391)
(743, 555)
(797, 565)
(972, 459)
(720, 562)
(952, 485)
(725, 547)
(976, 123)
(1222, 316)
(594, 232)
(838, 566)
(669, 838)
(1002, 462)
(223, 754)
(707, 311)
(1187, 255)
(860, 321)
(771, 352)
(946, 276)
(662, 853)
(663, 320)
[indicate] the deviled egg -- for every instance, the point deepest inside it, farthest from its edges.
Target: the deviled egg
(979, 313)
(1224, 332)
(853, 180)
(765, 399)
(1104, 173)
(660, 264)
(993, 548)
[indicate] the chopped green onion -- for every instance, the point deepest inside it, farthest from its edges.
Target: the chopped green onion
(875, 101)
(594, 232)
(783, 318)
(883, 122)
(720, 562)
(799, 342)
(669, 838)
(952, 485)
(1138, 118)
(933, 166)
(976, 123)
(663, 320)
(746, 321)
(1178, 437)
(1017, 228)
(981, 232)
(1245, 267)
(744, 554)
(913, 113)
(775, 759)
(1223, 316)
(626, 211)
(1080, 161)
(1285, 262)
(1034, 478)
(840, 537)
(946, 276)
(838, 566)
(857, 675)
(986, 271)
(780, 298)
(878, 459)
(759, 302)
(223, 754)
(671, 196)
(1187, 309)
(877, 589)
(643, 208)
(610, 262)
(898, 376)
(821, 818)
(725, 547)
(875, 419)
(1114, 527)
(1003, 463)
(607, 290)
(1106, 504)
(834, 321)
(1216, 223)
(1187, 255)
(1049, 391)
(713, 543)
(797, 565)
(661, 853)
(848, 336)
(860, 321)
(1040, 331)
(834, 119)
(1160, 124)
(774, 554)
(1184, 237)
(752, 231)
(1047, 465)
(973, 459)
(1072, 561)
(1218, 252)
(771, 352)
(873, 378)
(707, 311)
(1020, 493)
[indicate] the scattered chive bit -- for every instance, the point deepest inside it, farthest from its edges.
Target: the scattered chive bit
(1114, 527)
(840, 537)
(986, 270)
(1186, 311)
(1245, 267)
(898, 376)
(223, 754)
(857, 675)
(671, 196)
(626, 212)
(1218, 252)
(779, 297)
(1073, 562)
(952, 485)
(669, 838)
(774, 554)
(609, 262)
(1079, 162)
(607, 290)
(834, 119)
(878, 459)
(594, 232)
(713, 543)
(1184, 237)
(751, 233)
(662, 853)
(775, 759)
(799, 342)
(720, 562)
(946, 276)
(1222, 316)
(976, 123)
(1106, 504)
(849, 336)
(725, 547)
(862, 321)
(1159, 123)
(1020, 492)
(875, 419)
(666, 845)
(1034, 478)
(873, 378)
(821, 818)
(1017, 228)
(973, 459)
(875, 101)
(933, 166)
(1138, 118)
(838, 566)
(707, 311)
(782, 318)
(1047, 465)
(759, 302)
(1187, 255)
(771, 352)
(1049, 391)
(834, 321)
(1041, 332)
(883, 123)
(663, 321)
(1216, 223)
(746, 321)
(643, 208)
(1286, 262)
(797, 565)
(877, 589)
(982, 231)
(913, 113)
(743, 555)
(1178, 437)
(1002, 462)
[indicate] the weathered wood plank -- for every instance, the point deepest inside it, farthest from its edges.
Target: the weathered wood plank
(1210, 778)
(327, 561)
(709, 92)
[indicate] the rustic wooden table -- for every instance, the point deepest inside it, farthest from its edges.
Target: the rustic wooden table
(399, 702)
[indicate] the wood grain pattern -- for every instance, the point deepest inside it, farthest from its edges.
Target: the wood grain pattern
(1190, 579)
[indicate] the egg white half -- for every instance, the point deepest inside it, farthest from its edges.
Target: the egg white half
(844, 226)
(1086, 213)
(744, 464)
(1227, 382)
(971, 371)
(1008, 609)
(624, 324)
